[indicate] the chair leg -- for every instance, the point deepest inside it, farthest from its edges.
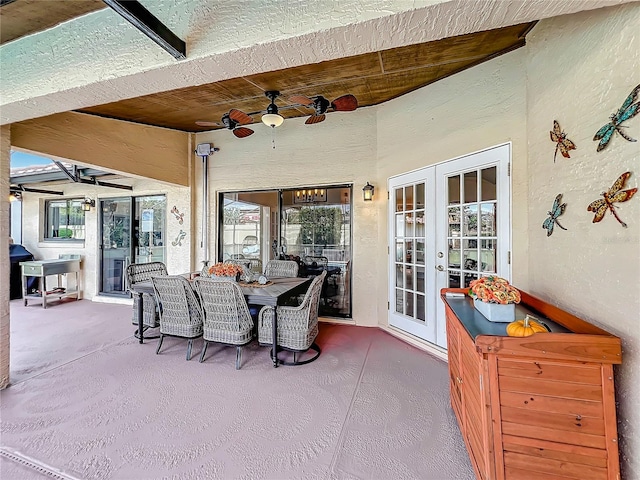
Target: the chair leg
(159, 344)
(189, 345)
(314, 348)
(238, 357)
(204, 350)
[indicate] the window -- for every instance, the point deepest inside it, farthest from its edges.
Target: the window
(64, 219)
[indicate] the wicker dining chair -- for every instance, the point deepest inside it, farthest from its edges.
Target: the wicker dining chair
(180, 313)
(225, 314)
(143, 272)
(281, 268)
(297, 326)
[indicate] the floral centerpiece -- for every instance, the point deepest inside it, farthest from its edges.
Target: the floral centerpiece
(494, 289)
(231, 270)
(495, 298)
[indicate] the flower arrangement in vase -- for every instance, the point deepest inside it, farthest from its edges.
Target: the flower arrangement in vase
(230, 270)
(495, 298)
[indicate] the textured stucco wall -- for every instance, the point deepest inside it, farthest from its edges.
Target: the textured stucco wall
(5, 145)
(178, 258)
(579, 70)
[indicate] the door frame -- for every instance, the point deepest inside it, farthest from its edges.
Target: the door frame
(499, 155)
(101, 262)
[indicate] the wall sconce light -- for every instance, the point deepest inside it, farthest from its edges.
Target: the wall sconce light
(88, 204)
(15, 196)
(367, 192)
(310, 195)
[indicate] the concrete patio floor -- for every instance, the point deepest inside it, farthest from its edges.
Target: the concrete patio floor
(87, 401)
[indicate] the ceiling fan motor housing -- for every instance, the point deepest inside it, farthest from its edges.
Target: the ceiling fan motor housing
(321, 105)
(272, 95)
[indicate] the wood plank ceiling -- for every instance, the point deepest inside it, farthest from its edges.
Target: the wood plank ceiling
(373, 78)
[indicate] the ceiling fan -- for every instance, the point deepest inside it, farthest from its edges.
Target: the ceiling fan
(232, 121)
(320, 105)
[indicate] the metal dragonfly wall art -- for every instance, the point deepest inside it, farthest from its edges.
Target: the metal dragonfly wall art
(562, 142)
(625, 112)
(615, 194)
(556, 210)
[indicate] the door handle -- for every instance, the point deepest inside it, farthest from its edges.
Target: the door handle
(440, 268)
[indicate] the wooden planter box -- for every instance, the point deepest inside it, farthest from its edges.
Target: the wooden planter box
(538, 407)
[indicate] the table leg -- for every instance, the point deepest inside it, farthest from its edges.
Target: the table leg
(275, 336)
(140, 317)
(44, 291)
(24, 289)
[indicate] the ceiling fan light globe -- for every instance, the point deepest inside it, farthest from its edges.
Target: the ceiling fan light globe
(272, 120)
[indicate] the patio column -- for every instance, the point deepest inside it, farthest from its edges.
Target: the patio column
(5, 147)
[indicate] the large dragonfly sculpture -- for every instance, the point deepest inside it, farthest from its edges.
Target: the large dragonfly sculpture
(615, 194)
(556, 210)
(562, 142)
(625, 112)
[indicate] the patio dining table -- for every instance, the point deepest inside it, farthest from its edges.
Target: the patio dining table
(273, 294)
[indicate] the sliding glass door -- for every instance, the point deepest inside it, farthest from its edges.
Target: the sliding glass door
(132, 231)
(311, 226)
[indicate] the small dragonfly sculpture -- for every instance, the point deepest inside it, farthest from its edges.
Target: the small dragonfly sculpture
(615, 194)
(556, 210)
(562, 142)
(625, 112)
(179, 216)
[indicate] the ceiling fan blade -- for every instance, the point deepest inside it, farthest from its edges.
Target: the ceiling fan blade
(239, 116)
(315, 119)
(301, 99)
(207, 124)
(345, 103)
(242, 132)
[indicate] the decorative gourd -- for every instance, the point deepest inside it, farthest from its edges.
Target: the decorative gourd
(525, 328)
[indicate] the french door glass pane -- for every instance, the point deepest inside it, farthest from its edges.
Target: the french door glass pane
(408, 198)
(399, 282)
(472, 228)
(471, 187)
(488, 219)
(420, 191)
(408, 229)
(399, 200)
(488, 185)
(399, 225)
(453, 184)
(420, 304)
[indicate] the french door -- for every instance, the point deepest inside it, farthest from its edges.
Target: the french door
(448, 225)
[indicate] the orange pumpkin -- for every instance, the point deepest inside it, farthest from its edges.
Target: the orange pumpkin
(525, 328)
